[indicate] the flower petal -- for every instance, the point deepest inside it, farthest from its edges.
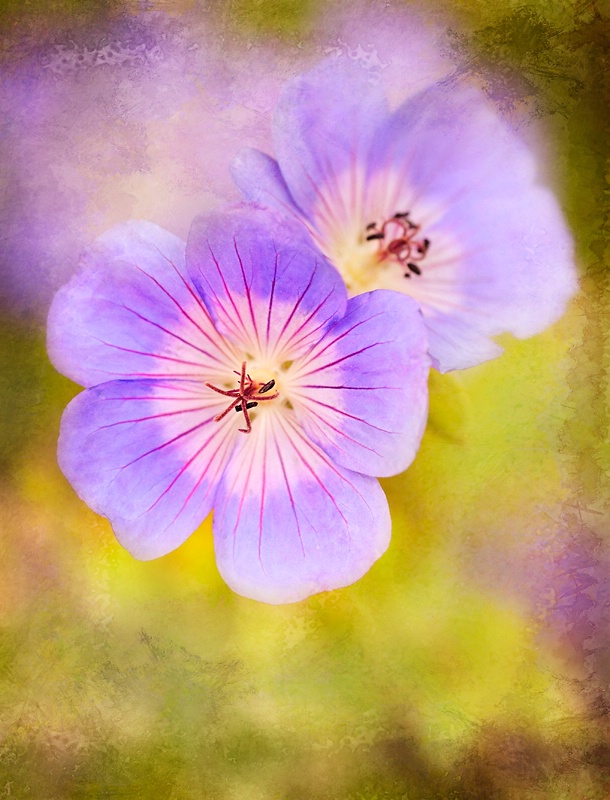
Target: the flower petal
(449, 139)
(289, 523)
(131, 311)
(147, 455)
(468, 180)
(260, 180)
(456, 344)
(323, 127)
(363, 390)
(264, 284)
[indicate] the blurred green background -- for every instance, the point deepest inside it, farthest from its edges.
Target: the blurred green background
(473, 661)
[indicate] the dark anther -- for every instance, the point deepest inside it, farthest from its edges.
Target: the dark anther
(401, 215)
(248, 405)
(372, 236)
(267, 387)
(414, 268)
(371, 225)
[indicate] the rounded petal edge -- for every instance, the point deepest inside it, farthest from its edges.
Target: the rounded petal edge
(146, 455)
(260, 180)
(325, 121)
(364, 389)
(128, 309)
(261, 277)
(288, 523)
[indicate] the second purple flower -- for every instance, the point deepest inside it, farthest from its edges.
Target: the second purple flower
(438, 199)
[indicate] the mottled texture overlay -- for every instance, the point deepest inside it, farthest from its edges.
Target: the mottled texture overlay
(473, 659)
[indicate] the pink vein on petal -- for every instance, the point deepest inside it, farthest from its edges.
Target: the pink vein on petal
(317, 353)
(128, 376)
(328, 463)
(358, 388)
(228, 295)
(272, 295)
(292, 503)
(325, 421)
(219, 466)
(343, 358)
(229, 495)
(310, 399)
(149, 355)
(312, 471)
(184, 468)
(180, 307)
(262, 504)
(166, 444)
(247, 289)
(152, 416)
(291, 342)
(170, 333)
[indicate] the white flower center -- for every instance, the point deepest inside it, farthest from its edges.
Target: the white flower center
(380, 254)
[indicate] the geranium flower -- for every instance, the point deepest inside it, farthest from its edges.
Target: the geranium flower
(439, 200)
(243, 380)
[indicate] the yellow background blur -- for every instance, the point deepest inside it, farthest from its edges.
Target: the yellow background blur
(471, 662)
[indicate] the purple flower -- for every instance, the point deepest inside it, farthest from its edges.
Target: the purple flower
(439, 200)
(241, 379)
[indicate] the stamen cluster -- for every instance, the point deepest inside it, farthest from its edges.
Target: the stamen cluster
(248, 389)
(403, 244)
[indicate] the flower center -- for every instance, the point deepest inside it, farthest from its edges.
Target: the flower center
(247, 396)
(399, 240)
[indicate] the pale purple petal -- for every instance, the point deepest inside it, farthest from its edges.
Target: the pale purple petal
(323, 128)
(471, 184)
(447, 140)
(148, 455)
(456, 344)
(518, 257)
(514, 276)
(288, 522)
(263, 282)
(131, 311)
(363, 391)
(259, 178)
(501, 255)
